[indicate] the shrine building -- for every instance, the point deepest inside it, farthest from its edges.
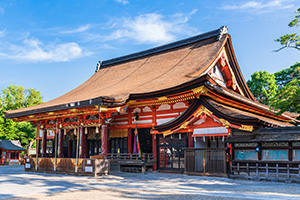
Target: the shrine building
(10, 152)
(186, 94)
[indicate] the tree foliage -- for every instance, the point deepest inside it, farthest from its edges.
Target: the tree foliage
(280, 90)
(263, 86)
(16, 97)
(291, 40)
(287, 98)
(285, 76)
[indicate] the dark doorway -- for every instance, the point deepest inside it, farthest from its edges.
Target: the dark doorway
(65, 148)
(170, 151)
(145, 139)
(118, 145)
(94, 147)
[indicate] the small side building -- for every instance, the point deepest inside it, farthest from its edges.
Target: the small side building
(266, 153)
(10, 151)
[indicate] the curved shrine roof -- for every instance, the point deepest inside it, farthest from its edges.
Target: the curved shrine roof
(147, 71)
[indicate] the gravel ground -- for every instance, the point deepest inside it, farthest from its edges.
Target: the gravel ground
(17, 184)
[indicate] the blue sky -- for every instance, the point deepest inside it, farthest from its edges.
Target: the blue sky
(54, 46)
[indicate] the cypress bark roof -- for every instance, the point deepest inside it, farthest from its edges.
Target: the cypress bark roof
(140, 73)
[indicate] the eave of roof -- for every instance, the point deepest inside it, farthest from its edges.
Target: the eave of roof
(231, 113)
(234, 116)
(239, 98)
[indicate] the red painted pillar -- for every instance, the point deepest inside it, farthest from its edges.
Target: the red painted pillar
(154, 146)
(61, 143)
(104, 140)
(130, 145)
(129, 140)
(154, 150)
(81, 147)
(69, 148)
(44, 143)
(190, 140)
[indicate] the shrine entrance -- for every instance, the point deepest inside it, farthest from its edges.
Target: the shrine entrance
(145, 139)
(171, 151)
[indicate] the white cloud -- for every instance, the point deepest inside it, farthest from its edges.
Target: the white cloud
(34, 50)
(77, 30)
(264, 6)
(124, 2)
(153, 28)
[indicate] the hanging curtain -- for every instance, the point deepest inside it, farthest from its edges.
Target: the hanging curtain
(136, 144)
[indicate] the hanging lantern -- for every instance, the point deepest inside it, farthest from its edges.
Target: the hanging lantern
(204, 139)
(179, 136)
(195, 139)
(85, 130)
(171, 136)
(65, 132)
(97, 129)
(75, 132)
(223, 138)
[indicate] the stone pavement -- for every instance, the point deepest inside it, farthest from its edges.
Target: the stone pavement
(15, 183)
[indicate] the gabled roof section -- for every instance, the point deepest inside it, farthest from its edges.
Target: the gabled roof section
(140, 73)
(12, 145)
(227, 115)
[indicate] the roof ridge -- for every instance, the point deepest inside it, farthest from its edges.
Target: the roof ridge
(218, 32)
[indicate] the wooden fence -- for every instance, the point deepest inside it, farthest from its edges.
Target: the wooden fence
(266, 170)
(205, 161)
(68, 166)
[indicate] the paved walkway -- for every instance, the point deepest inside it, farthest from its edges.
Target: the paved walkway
(15, 183)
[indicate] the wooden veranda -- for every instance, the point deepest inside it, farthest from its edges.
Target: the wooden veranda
(131, 162)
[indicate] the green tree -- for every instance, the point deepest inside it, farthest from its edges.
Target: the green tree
(16, 97)
(263, 86)
(291, 40)
(287, 98)
(285, 76)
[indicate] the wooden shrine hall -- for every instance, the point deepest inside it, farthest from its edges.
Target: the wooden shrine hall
(186, 94)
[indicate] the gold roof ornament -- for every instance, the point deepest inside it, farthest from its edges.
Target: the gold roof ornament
(201, 110)
(168, 132)
(184, 125)
(224, 122)
(246, 128)
(201, 90)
